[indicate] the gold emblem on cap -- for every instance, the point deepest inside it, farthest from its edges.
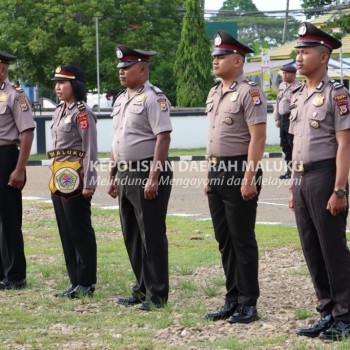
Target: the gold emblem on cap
(228, 121)
(218, 40)
(302, 30)
(3, 97)
(141, 97)
(234, 96)
(119, 53)
(318, 100)
(58, 69)
(315, 124)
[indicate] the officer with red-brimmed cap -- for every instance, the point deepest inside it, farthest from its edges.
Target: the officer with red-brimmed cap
(236, 109)
(140, 178)
(16, 137)
(281, 114)
(320, 123)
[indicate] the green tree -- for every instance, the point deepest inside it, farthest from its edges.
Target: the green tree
(46, 33)
(256, 29)
(318, 5)
(193, 63)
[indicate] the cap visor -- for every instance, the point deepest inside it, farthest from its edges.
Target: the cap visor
(125, 64)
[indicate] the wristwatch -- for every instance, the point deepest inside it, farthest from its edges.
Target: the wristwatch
(339, 192)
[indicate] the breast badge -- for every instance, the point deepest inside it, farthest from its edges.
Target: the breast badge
(234, 96)
(228, 121)
(140, 97)
(315, 124)
(68, 119)
(3, 97)
(318, 100)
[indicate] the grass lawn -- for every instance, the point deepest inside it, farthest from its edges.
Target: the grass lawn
(34, 319)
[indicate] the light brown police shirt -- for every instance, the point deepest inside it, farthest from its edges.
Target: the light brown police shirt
(15, 113)
(231, 114)
(285, 92)
(137, 121)
(74, 128)
(316, 118)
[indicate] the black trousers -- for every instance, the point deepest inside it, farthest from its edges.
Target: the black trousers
(144, 231)
(323, 240)
(77, 237)
(234, 225)
(12, 258)
(286, 138)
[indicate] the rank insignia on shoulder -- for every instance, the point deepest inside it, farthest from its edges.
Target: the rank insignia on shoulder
(250, 82)
(162, 104)
(18, 88)
(255, 94)
(83, 120)
(336, 85)
(23, 103)
(156, 90)
(80, 106)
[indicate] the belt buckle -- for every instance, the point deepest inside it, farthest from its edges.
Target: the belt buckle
(214, 160)
(300, 168)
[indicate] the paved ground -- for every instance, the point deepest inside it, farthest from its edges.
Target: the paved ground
(187, 194)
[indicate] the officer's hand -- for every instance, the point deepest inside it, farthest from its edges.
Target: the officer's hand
(278, 123)
(151, 188)
(88, 192)
(337, 205)
(248, 190)
(206, 186)
(113, 190)
(290, 200)
(17, 179)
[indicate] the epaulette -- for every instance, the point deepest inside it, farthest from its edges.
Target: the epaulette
(296, 89)
(336, 85)
(81, 106)
(156, 90)
(216, 84)
(250, 82)
(18, 88)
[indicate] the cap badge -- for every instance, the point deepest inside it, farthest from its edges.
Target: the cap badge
(318, 100)
(234, 96)
(58, 69)
(315, 124)
(119, 53)
(228, 121)
(218, 40)
(302, 30)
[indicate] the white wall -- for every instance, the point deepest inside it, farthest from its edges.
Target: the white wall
(188, 132)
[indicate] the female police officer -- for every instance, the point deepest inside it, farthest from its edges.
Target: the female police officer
(73, 181)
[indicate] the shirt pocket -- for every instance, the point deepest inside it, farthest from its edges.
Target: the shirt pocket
(317, 122)
(229, 118)
(135, 115)
(115, 115)
(294, 121)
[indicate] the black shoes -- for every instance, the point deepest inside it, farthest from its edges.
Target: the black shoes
(224, 312)
(128, 301)
(68, 290)
(6, 284)
(149, 306)
(81, 291)
(338, 331)
(287, 175)
(315, 330)
(244, 314)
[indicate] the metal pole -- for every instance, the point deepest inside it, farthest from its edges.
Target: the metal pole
(285, 23)
(97, 66)
(341, 64)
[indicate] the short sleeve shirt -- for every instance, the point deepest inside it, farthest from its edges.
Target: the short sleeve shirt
(137, 121)
(74, 128)
(230, 115)
(316, 118)
(15, 113)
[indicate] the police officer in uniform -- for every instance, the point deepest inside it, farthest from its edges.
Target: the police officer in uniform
(282, 113)
(140, 176)
(73, 181)
(236, 110)
(320, 123)
(16, 137)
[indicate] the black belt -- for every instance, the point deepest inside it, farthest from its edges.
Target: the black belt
(216, 160)
(287, 115)
(4, 147)
(302, 168)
